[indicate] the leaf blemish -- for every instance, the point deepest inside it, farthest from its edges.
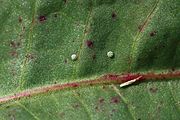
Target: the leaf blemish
(76, 105)
(65, 61)
(153, 33)
(101, 100)
(111, 77)
(20, 19)
(89, 43)
(65, 1)
(14, 44)
(115, 100)
(153, 90)
(113, 15)
(55, 15)
(42, 18)
(14, 54)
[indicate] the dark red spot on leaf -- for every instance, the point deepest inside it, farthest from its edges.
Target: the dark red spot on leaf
(111, 77)
(42, 18)
(89, 43)
(75, 85)
(115, 100)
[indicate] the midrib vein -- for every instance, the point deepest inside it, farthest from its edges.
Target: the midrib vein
(104, 79)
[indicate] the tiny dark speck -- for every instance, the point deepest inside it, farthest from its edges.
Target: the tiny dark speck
(65, 1)
(42, 18)
(114, 15)
(153, 90)
(20, 19)
(114, 100)
(65, 61)
(153, 33)
(55, 15)
(101, 100)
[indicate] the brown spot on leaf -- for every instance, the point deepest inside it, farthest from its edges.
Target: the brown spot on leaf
(65, 61)
(153, 90)
(103, 87)
(97, 108)
(101, 100)
(173, 69)
(14, 44)
(20, 19)
(115, 100)
(76, 105)
(14, 54)
(93, 56)
(55, 15)
(65, 1)
(30, 56)
(113, 15)
(153, 33)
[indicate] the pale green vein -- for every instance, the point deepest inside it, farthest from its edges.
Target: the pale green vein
(150, 98)
(86, 28)
(24, 107)
(29, 45)
(173, 98)
(137, 40)
(85, 107)
(124, 100)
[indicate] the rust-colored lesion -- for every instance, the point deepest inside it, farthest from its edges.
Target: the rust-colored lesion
(105, 79)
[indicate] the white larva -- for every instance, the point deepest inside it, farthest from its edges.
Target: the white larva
(73, 57)
(130, 82)
(110, 54)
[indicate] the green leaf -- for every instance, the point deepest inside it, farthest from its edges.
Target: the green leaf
(38, 37)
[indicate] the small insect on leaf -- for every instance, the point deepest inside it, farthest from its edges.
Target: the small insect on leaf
(130, 82)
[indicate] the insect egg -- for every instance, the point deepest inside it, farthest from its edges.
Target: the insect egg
(110, 54)
(73, 57)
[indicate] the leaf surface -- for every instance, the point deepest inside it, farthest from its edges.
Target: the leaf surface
(38, 37)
